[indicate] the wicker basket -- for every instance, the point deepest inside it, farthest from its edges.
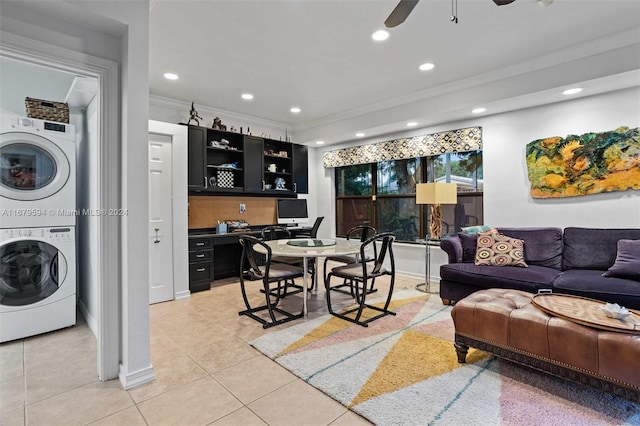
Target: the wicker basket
(47, 110)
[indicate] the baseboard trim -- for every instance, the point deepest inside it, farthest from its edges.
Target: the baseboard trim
(137, 378)
(180, 295)
(92, 322)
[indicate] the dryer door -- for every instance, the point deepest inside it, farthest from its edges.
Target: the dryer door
(30, 271)
(31, 167)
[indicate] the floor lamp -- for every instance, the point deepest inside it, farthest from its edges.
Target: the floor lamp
(434, 194)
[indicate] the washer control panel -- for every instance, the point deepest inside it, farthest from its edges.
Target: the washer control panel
(51, 234)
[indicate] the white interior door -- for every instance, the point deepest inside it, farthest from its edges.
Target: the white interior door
(160, 219)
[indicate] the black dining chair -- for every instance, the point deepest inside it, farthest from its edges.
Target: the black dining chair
(260, 267)
(363, 233)
(277, 232)
(360, 274)
(313, 232)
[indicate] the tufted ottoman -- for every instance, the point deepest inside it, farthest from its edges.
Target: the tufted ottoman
(506, 323)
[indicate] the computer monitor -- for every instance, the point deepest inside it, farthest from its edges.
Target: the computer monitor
(292, 211)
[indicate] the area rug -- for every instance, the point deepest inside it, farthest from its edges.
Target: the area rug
(403, 370)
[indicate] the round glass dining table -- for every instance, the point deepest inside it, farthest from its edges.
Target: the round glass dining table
(307, 248)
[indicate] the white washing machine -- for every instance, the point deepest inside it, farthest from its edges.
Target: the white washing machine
(37, 281)
(37, 173)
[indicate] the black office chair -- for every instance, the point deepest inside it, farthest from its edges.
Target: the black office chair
(360, 274)
(276, 232)
(313, 232)
(260, 267)
(363, 233)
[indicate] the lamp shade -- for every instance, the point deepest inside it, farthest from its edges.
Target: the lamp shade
(436, 193)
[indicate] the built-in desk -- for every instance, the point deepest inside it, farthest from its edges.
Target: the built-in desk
(214, 256)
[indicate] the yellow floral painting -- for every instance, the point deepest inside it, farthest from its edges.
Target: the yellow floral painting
(587, 164)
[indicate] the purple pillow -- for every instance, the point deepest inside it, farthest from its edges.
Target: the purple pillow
(469, 245)
(627, 264)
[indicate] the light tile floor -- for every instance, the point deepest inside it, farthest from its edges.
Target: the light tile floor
(206, 373)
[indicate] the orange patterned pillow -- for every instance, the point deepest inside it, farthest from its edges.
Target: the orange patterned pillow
(495, 249)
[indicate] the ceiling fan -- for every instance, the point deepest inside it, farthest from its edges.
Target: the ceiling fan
(404, 8)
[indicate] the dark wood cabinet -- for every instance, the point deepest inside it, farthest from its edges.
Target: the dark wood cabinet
(201, 264)
(223, 162)
(300, 169)
(253, 177)
(197, 143)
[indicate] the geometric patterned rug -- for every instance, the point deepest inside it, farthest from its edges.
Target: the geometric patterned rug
(403, 370)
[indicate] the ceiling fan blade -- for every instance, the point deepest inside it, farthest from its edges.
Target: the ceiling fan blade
(400, 13)
(503, 2)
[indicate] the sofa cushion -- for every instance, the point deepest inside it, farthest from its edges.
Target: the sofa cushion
(529, 279)
(593, 248)
(542, 246)
(469, 245)
(627, 264)
(590, 283)
(495, 249)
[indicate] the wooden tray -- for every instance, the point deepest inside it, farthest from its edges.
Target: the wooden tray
(585, 311)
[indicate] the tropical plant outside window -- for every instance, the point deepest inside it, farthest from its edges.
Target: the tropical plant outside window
(382, 194)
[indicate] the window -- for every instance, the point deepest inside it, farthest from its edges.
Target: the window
(382, 194)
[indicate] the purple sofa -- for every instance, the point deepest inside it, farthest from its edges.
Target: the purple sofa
(570, 261)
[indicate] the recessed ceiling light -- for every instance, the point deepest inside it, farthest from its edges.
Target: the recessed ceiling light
(478, 110)
(247, 96)
(359, 135)
(572, 91)
(170, 76)
(426, 66)
(412, 124)
(320, 142)
(380, 35)
(295, 110)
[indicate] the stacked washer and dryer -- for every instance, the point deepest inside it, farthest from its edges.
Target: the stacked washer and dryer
(37, 226)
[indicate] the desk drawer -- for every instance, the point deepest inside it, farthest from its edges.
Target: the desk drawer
(200, 272)
(199, 243)
(200, 256)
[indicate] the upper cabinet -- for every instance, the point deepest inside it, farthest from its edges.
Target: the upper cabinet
(226, 162)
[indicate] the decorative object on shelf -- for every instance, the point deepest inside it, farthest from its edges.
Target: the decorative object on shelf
(193, 115)
(222, 144)
(233, 165)
(217, 124)
(280, 183)
(434, 194)
(225, 179)
(47, 110)
(213, 181)
(283, 154)
(272, 168)
(582, 165)
(233, 129)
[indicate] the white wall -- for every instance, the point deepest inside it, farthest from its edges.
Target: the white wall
(506, 187)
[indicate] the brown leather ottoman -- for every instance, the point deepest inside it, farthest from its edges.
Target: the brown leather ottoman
(506, 323)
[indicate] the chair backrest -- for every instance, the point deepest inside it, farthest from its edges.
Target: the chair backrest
(385, 240)
(258, 263)
(275, 232)
(316, 226)
(364, 232)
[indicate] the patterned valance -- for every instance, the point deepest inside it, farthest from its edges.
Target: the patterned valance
(461, 140)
